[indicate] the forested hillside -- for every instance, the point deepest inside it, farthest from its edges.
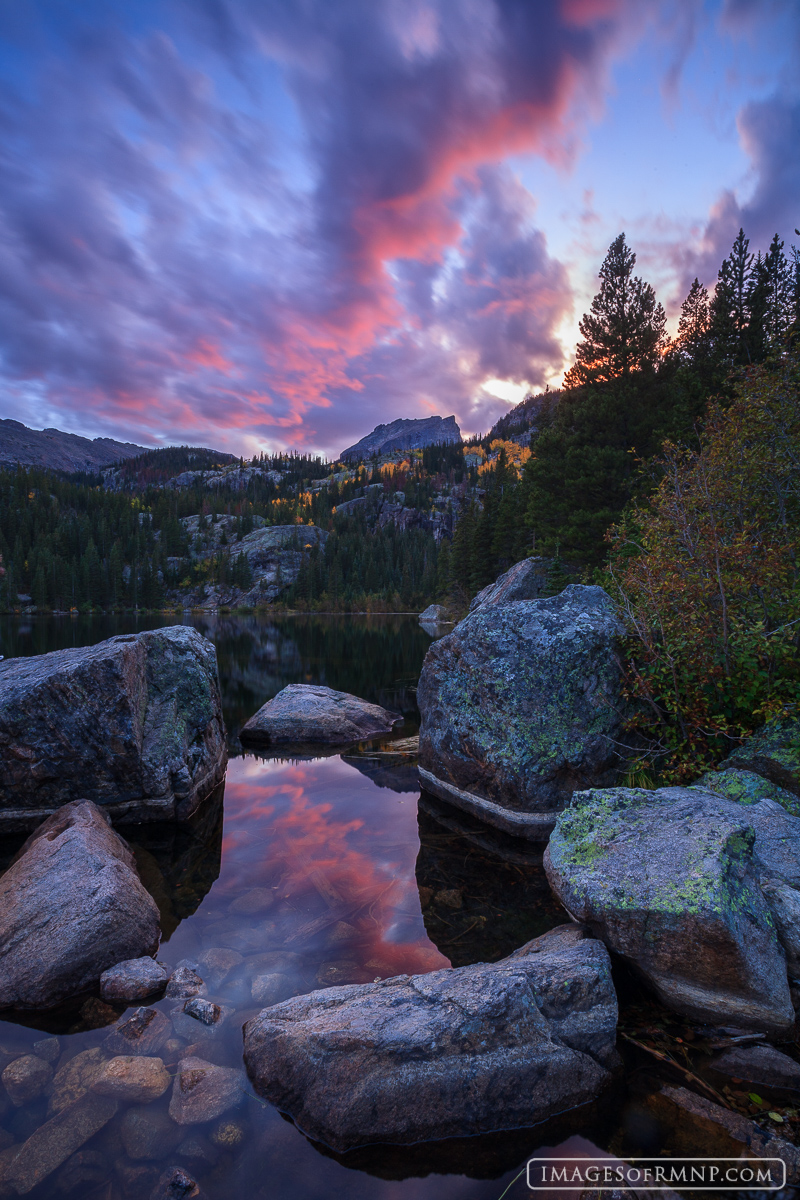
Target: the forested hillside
(180, 526)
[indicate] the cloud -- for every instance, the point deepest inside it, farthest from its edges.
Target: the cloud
(284, 223)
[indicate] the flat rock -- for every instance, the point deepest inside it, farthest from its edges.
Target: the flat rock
(135, 979)
(203, 1091)
(524, 581)
(133, 1079)
(145, 1032)
(774, 752)
(303, 713)
(449, 1054)
(75, 1078)
(71, 906)
(671, 880)
(26, 1078)
(54, 1142)
(133, 724)
(761, 1065)
(521, 705)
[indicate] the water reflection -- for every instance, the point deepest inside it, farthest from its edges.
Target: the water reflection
(481, 897)
(307, 873)
(376, 657)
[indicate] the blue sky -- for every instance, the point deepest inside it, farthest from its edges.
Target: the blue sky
(265, 224)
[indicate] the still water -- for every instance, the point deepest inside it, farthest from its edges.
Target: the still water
(321, 871)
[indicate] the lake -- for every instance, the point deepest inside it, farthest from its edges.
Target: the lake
(313, 869)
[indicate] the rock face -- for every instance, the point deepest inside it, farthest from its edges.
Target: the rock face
(521, 706)
(305, 713)
(404, 435)
(133, 724)
(774, 752)
(524, 581)
(449, 1054)
(677, 882)
(70, 907)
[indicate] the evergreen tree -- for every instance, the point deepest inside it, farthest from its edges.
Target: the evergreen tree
(778, 294)
(737, 308)
(624, 331)
(693, 341)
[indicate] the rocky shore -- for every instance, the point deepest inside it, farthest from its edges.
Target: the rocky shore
(689, 894)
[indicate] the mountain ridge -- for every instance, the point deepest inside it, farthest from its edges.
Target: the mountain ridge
(59, 451)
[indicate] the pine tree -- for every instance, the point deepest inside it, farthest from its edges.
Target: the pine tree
(624, 331)
(778, 294)
(693, 341)
(736, 310)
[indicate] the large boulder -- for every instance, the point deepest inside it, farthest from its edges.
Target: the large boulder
(453, 1053)
(774, 752)
(71, 906)
(133, 724)
(524, 581)
(679, 883)
(304, 713)
(521, 705)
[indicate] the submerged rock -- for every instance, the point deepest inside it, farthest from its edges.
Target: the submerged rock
(145, 1033)
(71, 906)
(26, 1078)
(672, 881)
(75, 1078)
(761, 1065)
(521, 705)
(175, 1184)
(133, 1079)
(203, 1091)
(305, 713)
(453, 1053)
(54, 1142)
(135, 979)
(133, 724)
(695, 1126)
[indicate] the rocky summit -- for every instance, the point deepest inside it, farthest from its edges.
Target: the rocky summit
(521, 705)
(71, 906)
(696, 892)
(133, 724)
(404, 435)
(457, 1052)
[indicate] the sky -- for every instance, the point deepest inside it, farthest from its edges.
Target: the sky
(261, 225)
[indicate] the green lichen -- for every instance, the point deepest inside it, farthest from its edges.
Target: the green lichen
(745, 787)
